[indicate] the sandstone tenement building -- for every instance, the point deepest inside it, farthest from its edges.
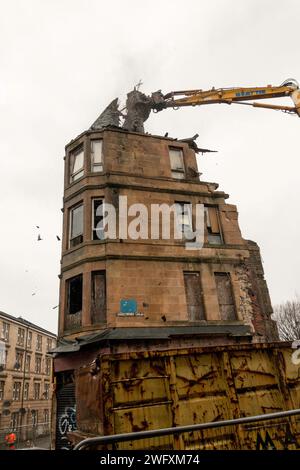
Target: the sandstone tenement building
(138, 296)
(217, 293)
(25, 376)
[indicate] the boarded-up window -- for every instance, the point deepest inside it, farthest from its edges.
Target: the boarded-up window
(225, 296)
(177, 164)
(98, 301)
(212, 223)
(194, 298)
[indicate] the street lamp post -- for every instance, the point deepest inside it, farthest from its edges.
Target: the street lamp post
(22, 410)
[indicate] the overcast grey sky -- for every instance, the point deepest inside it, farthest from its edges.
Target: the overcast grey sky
(63, 61)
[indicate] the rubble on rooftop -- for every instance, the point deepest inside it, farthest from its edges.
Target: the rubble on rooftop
(138, 109)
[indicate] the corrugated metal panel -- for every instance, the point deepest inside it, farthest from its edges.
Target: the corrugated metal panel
(66, 416)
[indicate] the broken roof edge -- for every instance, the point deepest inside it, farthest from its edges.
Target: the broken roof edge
(124, 131)
(109, 117)
(142, 333)
(114, 128)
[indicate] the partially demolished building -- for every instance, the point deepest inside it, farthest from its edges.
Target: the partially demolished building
(141, 299)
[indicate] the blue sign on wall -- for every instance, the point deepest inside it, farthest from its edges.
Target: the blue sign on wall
(128, 306)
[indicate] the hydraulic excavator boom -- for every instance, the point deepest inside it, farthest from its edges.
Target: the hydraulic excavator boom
(176, 99)
(139, 106)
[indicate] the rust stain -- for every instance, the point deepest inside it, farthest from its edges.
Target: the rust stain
(135, 427)
(209, 375)
(253, 371)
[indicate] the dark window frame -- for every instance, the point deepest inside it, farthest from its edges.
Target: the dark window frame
(71, 288)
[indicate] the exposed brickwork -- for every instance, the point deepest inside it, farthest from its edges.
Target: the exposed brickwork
(264, 326)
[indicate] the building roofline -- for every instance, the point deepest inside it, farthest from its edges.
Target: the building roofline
(123, 131)
(23, 322)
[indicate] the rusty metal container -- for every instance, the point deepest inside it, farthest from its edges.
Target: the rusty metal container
(137, 391)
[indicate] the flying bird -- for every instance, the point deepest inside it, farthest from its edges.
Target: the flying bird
(39, 238)
(53, 308)
(58, 238)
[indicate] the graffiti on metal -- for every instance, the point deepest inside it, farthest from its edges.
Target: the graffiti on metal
(265, 441)
(67, 421)
(66, 416)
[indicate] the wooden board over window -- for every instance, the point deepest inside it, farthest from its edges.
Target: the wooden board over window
(225, 296)
(214, 223)
(194, 299)
(98, 300)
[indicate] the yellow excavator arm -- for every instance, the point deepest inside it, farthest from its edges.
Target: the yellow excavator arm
(176, 99)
